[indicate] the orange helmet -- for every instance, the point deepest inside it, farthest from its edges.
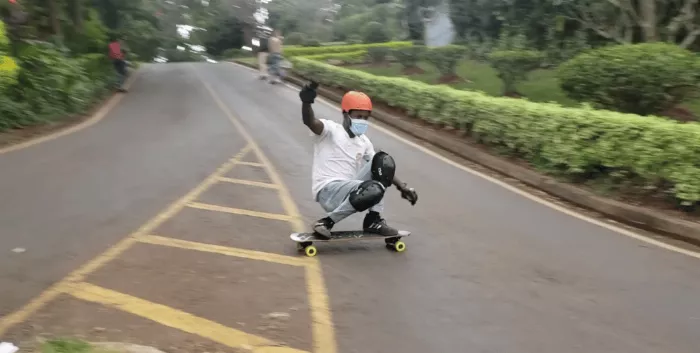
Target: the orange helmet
(355, 100)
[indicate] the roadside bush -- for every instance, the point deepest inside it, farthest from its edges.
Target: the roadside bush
(294, 38)
(582, 144)
(354, 57)
(301, 51)
(378, 55)
(4, 41)
(92, 39)
(236, 53)
(375, 32)
(52, 82)
(312, 43)
(514, 65)
(643, 79)
(446, 58)
(14, 115)
(8, 72)
(409, 57)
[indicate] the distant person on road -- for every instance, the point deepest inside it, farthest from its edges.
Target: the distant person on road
(263, 52)
(274, 44)
(348, 176)
(117, 55)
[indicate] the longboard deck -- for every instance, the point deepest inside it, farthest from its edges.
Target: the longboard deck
(343, 235)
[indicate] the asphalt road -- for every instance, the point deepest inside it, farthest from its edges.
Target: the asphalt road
(486, 270)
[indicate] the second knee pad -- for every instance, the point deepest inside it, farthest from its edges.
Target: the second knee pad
(368, 194)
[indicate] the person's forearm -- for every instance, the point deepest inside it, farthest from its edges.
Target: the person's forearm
(307, 114)
(398, 183)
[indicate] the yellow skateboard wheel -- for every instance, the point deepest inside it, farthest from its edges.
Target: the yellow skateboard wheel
(399, 246)
(310, 251)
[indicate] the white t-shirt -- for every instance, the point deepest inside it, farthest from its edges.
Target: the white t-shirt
(337, 156)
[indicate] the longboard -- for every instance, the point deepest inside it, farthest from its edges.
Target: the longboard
(305, 240)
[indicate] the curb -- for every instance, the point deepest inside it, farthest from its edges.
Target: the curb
(633, 215)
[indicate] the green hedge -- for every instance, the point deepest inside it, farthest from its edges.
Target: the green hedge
(580, 143)
(297, 51)
(353, 57)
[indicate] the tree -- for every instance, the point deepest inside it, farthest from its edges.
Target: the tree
(628, 21)
(225, 33)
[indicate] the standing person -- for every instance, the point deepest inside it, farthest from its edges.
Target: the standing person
(117, 55)
(263, 52)
(275, 57)
(348, 176)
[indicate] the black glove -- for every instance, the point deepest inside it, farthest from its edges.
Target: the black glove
(308, 93)
(409, 194)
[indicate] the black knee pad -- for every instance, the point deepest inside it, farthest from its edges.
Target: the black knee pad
(383, 168)
(368, 194)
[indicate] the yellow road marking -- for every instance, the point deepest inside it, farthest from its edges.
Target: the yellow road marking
(249, 183)
(174, 318)
(322, 327)
(223, 250)
(523, 193)
(239, 211)
(97, 117)
(79, 274)
(252, 164)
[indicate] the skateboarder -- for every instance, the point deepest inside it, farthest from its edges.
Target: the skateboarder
(348, 175)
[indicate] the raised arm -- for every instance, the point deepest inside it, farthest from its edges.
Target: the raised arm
(307, 96)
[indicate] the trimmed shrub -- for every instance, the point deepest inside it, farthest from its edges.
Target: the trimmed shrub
(378, 55)
(354, 57)
(446, 58)
(409, 57)
(514, 65)
(574, 142)
(643, 79)
(375, 32)
(295, 38)
(301, 51)
(312, 43)
(354, 39)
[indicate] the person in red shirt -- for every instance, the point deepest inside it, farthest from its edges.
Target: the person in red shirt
(117, 55)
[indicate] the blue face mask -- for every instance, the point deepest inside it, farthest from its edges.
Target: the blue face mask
(358, 126)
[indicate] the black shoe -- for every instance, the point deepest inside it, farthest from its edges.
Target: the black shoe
(375, 224)
(323, 227)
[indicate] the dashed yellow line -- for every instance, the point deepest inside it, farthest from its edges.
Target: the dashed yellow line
(240, 211)
(79, 274)
(249, 183)
(224, 250)
(322, 327)
(174, 318)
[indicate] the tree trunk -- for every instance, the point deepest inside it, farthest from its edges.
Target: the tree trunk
(78, 15)
(647, 9)
(54, 18)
